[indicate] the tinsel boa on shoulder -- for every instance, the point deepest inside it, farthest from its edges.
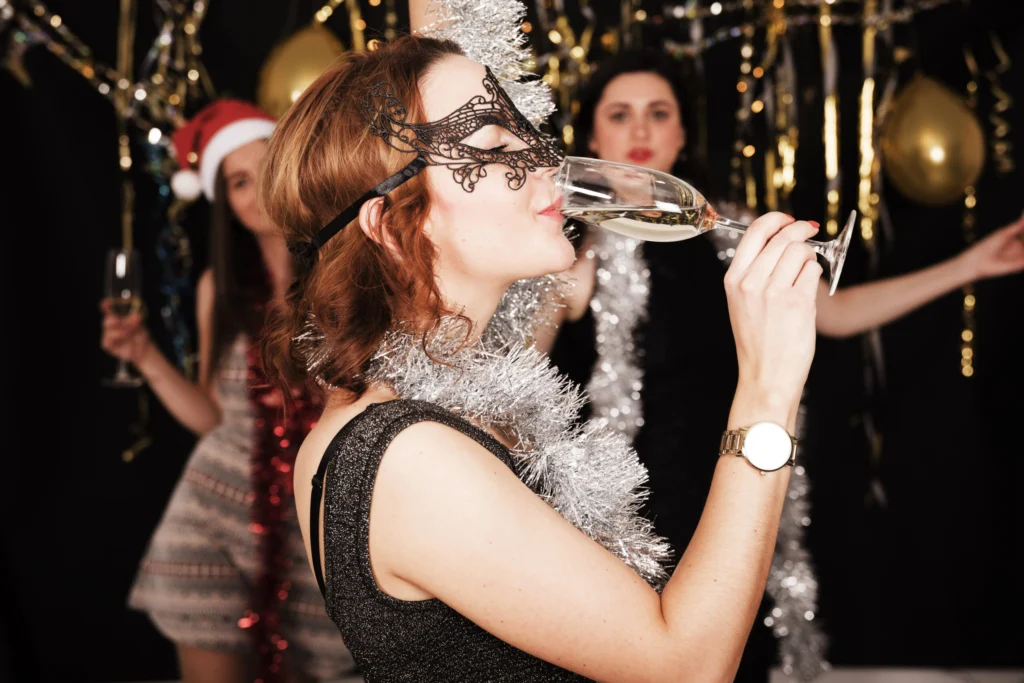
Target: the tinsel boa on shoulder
(591, 476)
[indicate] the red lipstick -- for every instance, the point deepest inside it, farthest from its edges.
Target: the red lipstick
(554, 210)
(640, 155)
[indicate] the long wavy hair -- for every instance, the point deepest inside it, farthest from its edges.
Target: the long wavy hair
(321, 158)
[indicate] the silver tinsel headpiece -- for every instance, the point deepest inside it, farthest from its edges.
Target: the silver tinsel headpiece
(589, 475)
(489, 32)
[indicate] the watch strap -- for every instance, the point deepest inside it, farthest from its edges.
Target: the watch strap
(732, 444)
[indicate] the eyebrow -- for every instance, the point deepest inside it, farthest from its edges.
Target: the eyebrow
(655, 103)
(235, 175)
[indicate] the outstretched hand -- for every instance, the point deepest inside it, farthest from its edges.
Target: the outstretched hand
(1000, 253)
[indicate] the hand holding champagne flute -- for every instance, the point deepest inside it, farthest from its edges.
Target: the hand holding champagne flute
(123, 334)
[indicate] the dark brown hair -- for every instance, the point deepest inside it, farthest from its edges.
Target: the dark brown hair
(321, 158)
(241, 289)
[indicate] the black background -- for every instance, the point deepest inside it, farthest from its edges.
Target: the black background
(928, 580)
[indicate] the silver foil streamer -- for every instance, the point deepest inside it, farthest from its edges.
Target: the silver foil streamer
(489, 32)
(619, 304)
(791, 582)
(589, 475)
(794, 588)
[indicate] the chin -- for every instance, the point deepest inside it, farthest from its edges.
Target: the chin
(554, 255)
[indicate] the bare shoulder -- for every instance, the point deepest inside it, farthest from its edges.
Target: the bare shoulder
(427, 457)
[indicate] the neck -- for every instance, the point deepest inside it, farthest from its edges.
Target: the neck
(278, 263)
(473, 299)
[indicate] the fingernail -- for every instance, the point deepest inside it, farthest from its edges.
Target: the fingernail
(816, 224)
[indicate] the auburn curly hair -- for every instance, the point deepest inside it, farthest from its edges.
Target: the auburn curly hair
(321, 158)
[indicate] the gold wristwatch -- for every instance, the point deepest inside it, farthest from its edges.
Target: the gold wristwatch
(767, 446)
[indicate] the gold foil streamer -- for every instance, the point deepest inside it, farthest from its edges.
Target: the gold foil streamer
(355, 21)
(172, 67)
(125, 55)
(744, 184)
(1001, 145)
(567, 61)
(772, 177)
(865, 187)
(967, 334)
(830, 133)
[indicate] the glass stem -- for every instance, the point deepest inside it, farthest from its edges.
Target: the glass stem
(821, 248)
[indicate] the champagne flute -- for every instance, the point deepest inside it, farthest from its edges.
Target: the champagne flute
(653, 206)
(124, 295)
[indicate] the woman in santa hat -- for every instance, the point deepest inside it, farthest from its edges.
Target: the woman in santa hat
(225, 577)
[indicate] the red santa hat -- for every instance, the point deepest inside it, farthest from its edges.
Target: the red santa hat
(215, 132)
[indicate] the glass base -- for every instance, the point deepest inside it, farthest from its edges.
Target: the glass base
(123, 379)
(128, 383)
(837, 253)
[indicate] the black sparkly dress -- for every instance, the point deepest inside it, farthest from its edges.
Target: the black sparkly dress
(688, 357)
(392, 639)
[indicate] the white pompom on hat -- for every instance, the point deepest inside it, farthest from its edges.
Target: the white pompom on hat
(213, 133)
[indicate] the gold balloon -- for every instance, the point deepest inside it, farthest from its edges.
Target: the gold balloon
(932, 144)
(293, 65)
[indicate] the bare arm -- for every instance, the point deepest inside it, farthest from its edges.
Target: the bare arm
(191, 404)
(854, 310)
(857, 309)
(492, 550)
(418, 15)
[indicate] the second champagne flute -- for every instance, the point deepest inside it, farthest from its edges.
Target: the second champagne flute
(124, 295)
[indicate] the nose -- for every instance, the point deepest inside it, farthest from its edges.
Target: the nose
(545, 174)
(640, 130)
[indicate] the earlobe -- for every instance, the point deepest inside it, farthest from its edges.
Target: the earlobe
(370, 219)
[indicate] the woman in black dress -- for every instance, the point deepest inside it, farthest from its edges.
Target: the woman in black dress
(415, 194)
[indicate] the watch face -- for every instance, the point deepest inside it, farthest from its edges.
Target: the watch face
(767, 446)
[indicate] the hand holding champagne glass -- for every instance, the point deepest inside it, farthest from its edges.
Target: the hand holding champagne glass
(123, 334)
(653, 206)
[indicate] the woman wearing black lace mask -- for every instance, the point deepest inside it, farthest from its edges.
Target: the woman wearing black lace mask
(437, 561)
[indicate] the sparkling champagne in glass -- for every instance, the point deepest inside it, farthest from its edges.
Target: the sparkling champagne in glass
(656, 207)
(124, 294)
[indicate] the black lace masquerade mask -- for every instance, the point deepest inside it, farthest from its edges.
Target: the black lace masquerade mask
(440, 143)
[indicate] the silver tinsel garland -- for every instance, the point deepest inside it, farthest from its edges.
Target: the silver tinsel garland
(589, 475)
(525, 307)
(619, 304)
